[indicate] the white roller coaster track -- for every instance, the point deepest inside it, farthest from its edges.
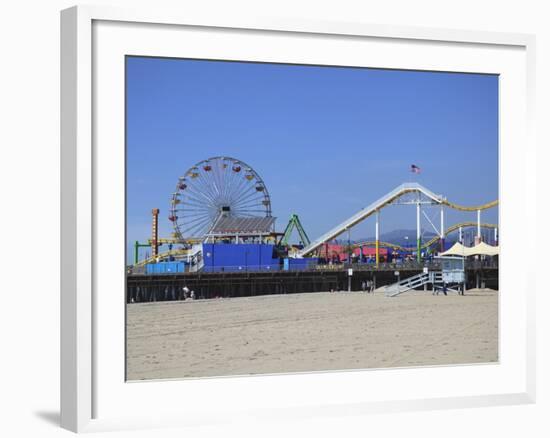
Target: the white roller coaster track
(380, 203)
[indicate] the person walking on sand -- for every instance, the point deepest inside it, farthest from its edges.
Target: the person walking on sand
(185, 292)
(363, 286)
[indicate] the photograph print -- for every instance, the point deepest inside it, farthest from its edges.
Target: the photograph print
(285, 218)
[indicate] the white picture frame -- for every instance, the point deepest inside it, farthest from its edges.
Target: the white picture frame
(86, 376)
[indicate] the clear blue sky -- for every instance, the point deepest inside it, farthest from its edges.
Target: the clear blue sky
(327, 141)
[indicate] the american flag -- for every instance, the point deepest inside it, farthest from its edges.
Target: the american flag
(415, 168)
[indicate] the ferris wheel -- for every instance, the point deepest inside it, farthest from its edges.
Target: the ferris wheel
(212, 188)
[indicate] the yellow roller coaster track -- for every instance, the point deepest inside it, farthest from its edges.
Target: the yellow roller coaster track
(468, 208)
(164, 241)
(163, 256)
(445, 202)
(426, 244)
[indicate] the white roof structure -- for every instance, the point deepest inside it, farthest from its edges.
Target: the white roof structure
(232, 225)
(464, 251)
(457, 249)
(483, 249)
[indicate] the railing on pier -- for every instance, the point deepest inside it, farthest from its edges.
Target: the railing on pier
(408, 265)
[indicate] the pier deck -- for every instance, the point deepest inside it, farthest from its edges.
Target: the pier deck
(167, 287)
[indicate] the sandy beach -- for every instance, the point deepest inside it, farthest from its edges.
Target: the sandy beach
(309, 332)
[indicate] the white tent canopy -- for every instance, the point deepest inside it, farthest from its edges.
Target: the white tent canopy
(483, 249)
(480, 249)
(457, 249)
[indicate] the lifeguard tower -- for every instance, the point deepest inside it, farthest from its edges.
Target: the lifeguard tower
(451, 277)
(453, 274)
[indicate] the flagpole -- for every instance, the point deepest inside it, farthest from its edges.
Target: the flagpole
(418, 236)
(416, 170)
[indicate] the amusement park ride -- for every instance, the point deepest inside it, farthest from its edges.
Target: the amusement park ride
(408, 193)
(294, 224)
(224, 200)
